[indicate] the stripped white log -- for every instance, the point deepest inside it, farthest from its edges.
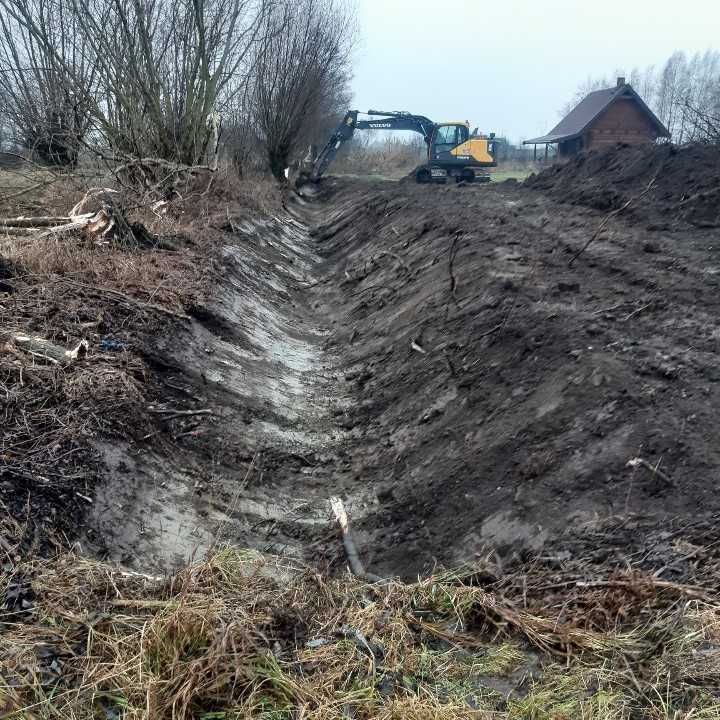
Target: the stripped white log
(42, 348)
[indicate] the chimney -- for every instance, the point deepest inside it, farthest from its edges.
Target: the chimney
(621, 81)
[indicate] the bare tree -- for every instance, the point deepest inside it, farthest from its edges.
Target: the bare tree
(240, 144)
(300, 75)
(705, 123)
(46, 111)
(159, 67)
(670, 92)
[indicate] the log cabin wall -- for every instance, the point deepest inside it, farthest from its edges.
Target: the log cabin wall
(624, 121)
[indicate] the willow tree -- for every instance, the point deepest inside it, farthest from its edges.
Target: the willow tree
(158, 66)
(43, 108)
(300, 74)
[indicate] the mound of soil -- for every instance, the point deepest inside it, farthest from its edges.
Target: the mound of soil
(501, 395)
(427, 354)
(686, 188)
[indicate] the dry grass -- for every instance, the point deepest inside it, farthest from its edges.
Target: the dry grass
(34, 190)
(242, 636)
(174, 267)
(156, 270)
(163, 277)
(117, 298)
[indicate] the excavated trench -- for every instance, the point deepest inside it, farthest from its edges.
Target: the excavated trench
(428, 355)
(256, 474)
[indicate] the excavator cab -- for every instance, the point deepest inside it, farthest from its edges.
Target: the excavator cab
(455, 152)
(446, 137)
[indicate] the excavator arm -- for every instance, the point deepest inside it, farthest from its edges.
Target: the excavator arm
(384, 121)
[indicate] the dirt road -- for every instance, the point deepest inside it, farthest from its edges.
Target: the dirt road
(427, 354)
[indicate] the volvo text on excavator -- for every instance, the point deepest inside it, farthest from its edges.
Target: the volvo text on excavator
(453, 151)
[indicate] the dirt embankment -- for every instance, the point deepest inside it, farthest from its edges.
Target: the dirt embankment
(500, 394)
(427, 354)
(685, 183)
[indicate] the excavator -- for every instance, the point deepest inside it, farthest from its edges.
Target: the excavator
(453, 151)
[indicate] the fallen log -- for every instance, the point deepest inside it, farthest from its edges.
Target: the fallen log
(42, 348)
(34, 222)
(66, 228)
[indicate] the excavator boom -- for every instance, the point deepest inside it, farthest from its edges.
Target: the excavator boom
(393, 120)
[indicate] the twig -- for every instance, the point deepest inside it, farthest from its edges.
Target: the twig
(610, 216)
(610, 309)
(691, 591)
(451, 261)
(171, 413)
(699, 196)
(641, 462)
(637, 311)
(497, 327)
(677, 561)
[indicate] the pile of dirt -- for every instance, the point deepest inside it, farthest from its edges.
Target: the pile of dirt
(502, 397)
(686, 188)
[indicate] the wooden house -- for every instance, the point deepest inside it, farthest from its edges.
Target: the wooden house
(603, 118)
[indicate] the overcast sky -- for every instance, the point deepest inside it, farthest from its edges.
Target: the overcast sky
(509, 66)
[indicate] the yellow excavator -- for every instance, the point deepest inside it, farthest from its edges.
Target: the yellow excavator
(453, 151)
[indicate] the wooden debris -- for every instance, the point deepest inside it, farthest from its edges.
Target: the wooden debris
(44, 349)
(97, 215)
(172, 413)
(356, 565)
(641, 462)
(34, 222)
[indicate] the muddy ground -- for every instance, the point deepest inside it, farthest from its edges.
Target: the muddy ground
(501, 393)
(427, 354)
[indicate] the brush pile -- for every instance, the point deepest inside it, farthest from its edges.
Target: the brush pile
(241, 636)
(81, 298)
(99, 217)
